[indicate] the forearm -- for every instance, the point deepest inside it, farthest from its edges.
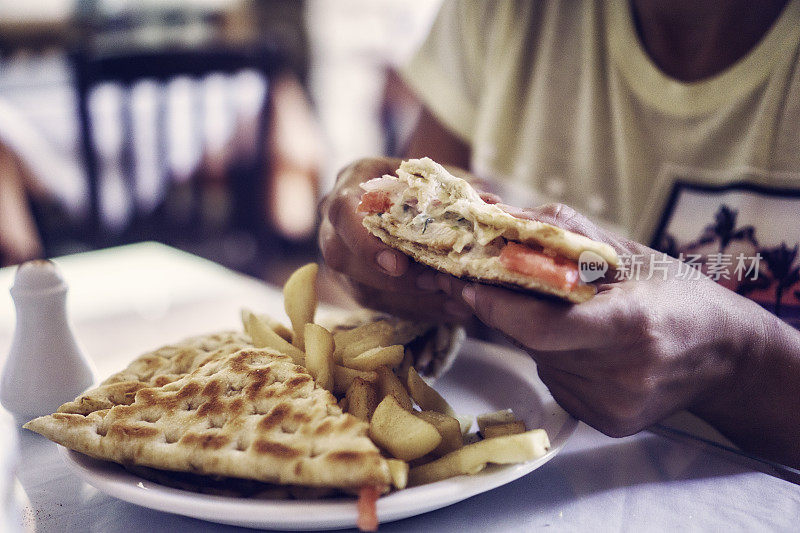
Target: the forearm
(758, 405)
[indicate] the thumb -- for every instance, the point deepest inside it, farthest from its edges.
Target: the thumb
(560, 215)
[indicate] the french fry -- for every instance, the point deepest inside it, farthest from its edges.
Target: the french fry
(473, 458)
(389, 385)
(358, 340)
(497, 417)
(343, 377)
(376, 357)
(427, 398)
(499, 430)
(402, 434)
(399, 471)
(271, 323)
(448, 427)
(362, 399)
(300, 300)
(319, 355)
(465, 421)
(264, 337)
(402, 371)
(349, 336)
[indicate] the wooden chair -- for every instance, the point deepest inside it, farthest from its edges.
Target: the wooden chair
(125, 70)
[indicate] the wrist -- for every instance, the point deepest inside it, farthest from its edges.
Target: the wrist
(740, 349)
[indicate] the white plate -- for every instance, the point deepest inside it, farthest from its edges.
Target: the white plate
(484, 378)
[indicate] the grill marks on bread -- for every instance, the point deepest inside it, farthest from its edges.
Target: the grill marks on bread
(248, 413)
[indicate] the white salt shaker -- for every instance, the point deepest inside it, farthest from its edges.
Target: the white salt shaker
(45, 366)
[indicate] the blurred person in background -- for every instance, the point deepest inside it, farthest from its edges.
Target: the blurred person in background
(19, 238)
(676, 124)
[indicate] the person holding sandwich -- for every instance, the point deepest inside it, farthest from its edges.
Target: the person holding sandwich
(675, 123)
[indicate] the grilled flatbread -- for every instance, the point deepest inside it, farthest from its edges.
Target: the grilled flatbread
(441, 221)
(156, 369)
(240, 412)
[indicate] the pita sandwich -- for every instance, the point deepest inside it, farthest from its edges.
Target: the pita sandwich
(218, 406)
(442, 221)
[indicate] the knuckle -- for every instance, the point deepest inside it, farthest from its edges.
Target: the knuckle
(552, 209)
(564, 212)
(365, 168)
(347, 170)
(565, 216)
(558, 212)
(336, 206)
(635, 320)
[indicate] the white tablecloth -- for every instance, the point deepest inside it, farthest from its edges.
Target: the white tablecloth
(645, 482)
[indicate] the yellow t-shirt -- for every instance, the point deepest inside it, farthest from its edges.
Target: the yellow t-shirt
(560, 98)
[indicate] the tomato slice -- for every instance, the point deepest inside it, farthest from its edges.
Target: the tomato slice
(554, 271)
(374, 202)
(368, 509)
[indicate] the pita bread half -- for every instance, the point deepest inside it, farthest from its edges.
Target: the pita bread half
(157, 368)
(466, 234)
(251, 414)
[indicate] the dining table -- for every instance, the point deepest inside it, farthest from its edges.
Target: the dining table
(127, 300)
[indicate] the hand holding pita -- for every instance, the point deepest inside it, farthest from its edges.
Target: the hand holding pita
(636, 352)
(379, 277)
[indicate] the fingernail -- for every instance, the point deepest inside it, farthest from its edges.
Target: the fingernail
(426, 281)
(468, 294)
(387, 261)
(454, 308)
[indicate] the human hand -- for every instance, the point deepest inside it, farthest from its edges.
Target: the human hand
(378, 276)
(636, 352)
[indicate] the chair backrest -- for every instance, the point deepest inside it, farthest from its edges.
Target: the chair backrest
(128, 70)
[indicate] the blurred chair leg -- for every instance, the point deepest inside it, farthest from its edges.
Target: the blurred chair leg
(19, 238)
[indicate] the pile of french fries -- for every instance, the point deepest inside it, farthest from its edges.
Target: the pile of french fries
(371, 373)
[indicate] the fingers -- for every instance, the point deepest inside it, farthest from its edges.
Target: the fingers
(342, 233)
(352, 250)
(360, 242)
(558, 383)
(365, 169)
(418, 306)
(566, 217)
(340, 258)
(559, 215)
(583, 362)
(538, 323)
(599, 402)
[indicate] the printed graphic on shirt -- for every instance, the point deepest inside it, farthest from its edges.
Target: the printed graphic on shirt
(742, 235)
